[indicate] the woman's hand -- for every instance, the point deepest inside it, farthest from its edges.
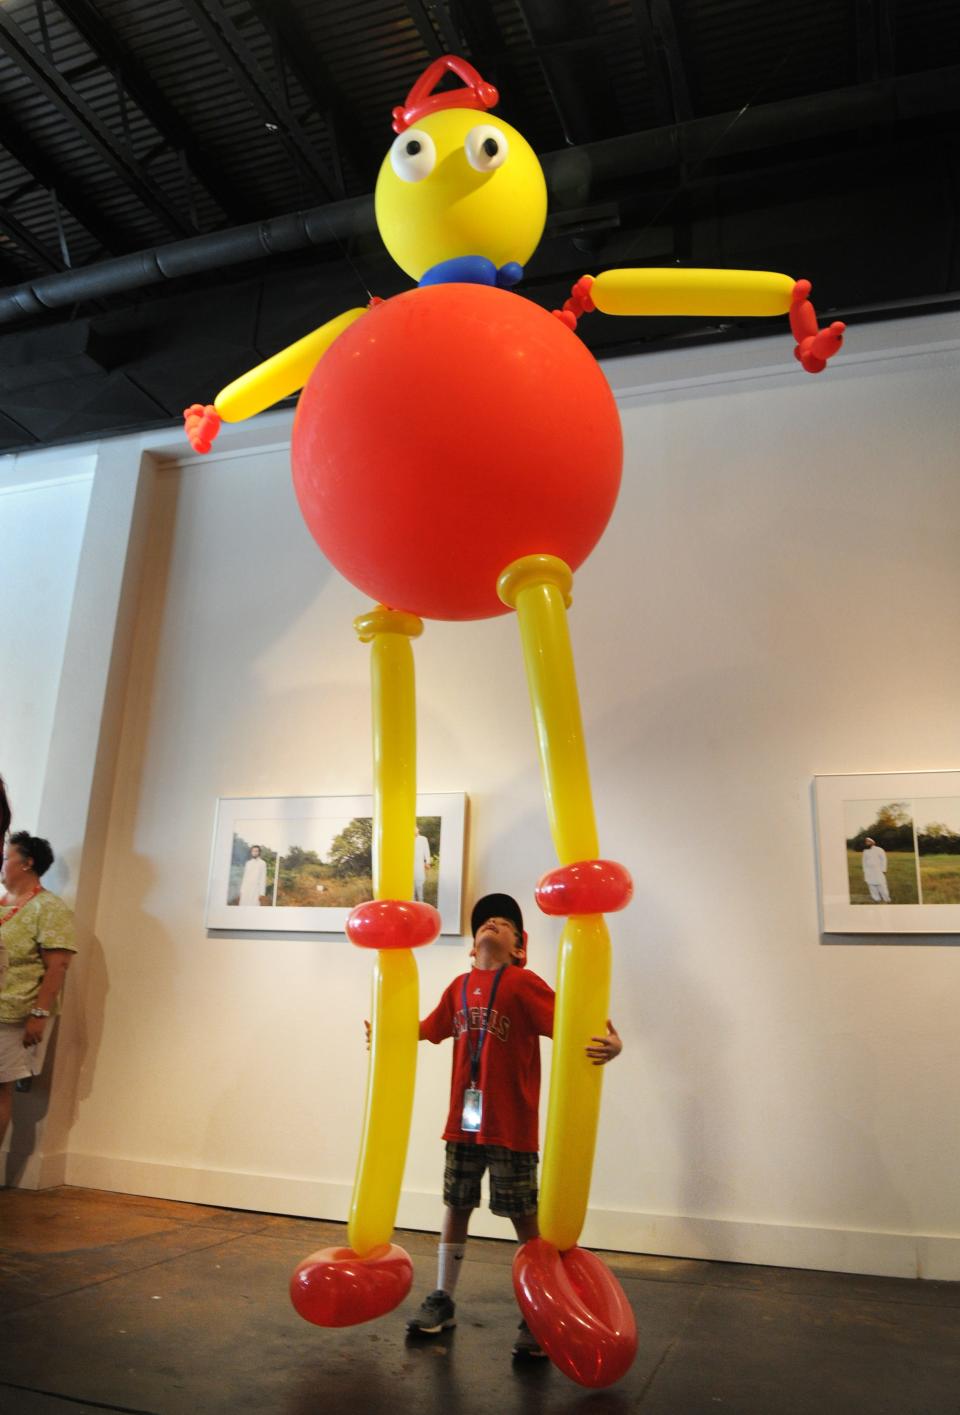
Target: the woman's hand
(604, 1049)
(33, 1031)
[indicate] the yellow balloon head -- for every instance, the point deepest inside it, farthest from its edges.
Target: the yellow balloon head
(457, 183)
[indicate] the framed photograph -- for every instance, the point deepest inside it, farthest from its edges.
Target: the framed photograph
(888, 851)
(299, 864)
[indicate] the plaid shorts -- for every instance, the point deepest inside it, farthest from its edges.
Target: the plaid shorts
(513, 1178)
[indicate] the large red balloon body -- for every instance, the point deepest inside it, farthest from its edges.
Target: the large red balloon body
(450, 431)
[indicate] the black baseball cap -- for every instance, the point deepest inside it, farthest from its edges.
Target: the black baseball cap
(496, 906)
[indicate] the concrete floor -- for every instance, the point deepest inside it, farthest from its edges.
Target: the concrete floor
(111, 1302)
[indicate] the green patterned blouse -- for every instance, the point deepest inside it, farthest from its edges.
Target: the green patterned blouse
(43, 922)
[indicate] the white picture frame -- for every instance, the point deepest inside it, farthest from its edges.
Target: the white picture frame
(312, 846)
(912, 886)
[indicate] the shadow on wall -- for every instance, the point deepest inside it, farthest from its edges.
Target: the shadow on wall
(75, 1047)
(30, 1104)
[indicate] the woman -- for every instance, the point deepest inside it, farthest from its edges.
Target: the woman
(36, 931)
(4, 827)
(254, 882)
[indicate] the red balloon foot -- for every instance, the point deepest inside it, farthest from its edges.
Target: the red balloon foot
(577, 1310)
(587, 887)
(335, 1287)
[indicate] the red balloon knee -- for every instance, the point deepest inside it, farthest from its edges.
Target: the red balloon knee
(335, 1287)
(577, 1310)
(587, 887)
(393, 923)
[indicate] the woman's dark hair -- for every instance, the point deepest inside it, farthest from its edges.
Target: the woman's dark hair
(34, 849)
(4, 812)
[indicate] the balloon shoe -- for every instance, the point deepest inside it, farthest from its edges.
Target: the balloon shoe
(437, 1313)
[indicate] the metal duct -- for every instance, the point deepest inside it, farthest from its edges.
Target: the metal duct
(572, 174)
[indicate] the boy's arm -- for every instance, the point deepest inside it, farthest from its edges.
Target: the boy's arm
(604, 1049)
(439, 1025)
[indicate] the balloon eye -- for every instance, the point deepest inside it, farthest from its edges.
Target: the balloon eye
(413, 155)
(486, 148)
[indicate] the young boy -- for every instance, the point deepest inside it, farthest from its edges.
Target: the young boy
(496, 1014)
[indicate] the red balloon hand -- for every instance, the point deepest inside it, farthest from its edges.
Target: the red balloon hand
(814, 345)
(578, 304)
(201, 424)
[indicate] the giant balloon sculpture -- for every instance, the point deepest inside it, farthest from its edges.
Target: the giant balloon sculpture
(457, 453)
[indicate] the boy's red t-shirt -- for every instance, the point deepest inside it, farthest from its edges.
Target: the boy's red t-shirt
(510, 1060)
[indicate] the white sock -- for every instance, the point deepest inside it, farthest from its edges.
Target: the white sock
(449, 1263)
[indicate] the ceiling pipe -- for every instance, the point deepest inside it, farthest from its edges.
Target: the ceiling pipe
(572, 174)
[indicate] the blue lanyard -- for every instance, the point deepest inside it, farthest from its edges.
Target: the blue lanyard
(475, 1055)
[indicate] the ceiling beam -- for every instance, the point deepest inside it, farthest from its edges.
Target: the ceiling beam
(32, 62)
(227, 40)
(428, 21)
(306, 63)
(120, 60)
(663, 59)
(875, 43)
(16, 232)
(54, 179)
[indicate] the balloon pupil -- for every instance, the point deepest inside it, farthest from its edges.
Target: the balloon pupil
(413, 148)
(491, 147)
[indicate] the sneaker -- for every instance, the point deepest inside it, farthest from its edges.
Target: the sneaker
(436, 1314)
(526, 1347)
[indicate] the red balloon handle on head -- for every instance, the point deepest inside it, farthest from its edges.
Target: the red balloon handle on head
(577, 1311)
(335, 1287)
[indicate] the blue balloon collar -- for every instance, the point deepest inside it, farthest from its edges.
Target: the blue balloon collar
(472, 270)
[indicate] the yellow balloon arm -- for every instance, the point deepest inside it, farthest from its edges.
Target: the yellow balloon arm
(394, 1034)
(582, 1008)
(283, 374)
(670, 291)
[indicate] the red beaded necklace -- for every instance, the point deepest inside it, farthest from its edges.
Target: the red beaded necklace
(5, 919)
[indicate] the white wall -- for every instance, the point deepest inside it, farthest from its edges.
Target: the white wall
(776, 597)
(43, 509)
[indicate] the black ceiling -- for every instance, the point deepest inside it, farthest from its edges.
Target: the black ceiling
(151, 148)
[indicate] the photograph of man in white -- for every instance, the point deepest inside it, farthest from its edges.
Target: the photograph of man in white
(875, 871)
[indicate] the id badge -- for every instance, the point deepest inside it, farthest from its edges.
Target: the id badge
(472, 1109)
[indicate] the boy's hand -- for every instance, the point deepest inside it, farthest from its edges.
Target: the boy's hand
(604, 1049)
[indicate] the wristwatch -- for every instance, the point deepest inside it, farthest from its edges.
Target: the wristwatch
(39, 1012)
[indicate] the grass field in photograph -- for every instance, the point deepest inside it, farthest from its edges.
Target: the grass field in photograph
(901, 877)
(940, 879)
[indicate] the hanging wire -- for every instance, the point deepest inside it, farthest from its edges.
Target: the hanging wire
(710, 151)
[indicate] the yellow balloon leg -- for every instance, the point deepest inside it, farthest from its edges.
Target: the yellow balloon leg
(583, 996)
(539, 588)
(389, 1106)
(672, 291)
(395, 1015)
(394, 764)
